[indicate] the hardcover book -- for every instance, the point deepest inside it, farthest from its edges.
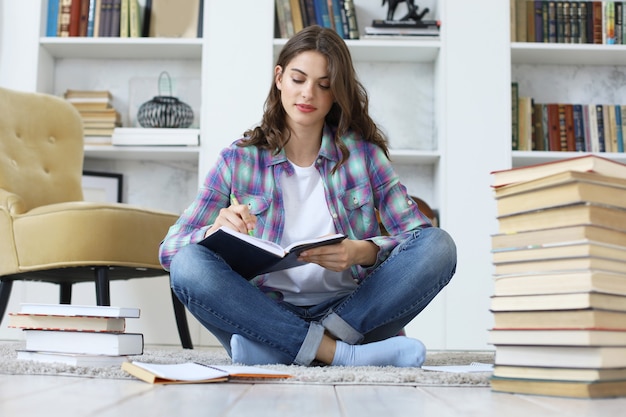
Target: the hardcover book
(89, 343)
(584, 280)
(74, 323)
(250, 256)
(591, 163)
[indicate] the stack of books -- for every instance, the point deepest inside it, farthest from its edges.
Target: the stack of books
(412, 29)
(559, 302)
(76, 335)
(99, 116)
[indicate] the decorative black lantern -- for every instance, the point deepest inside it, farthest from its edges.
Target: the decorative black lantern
(165, 111)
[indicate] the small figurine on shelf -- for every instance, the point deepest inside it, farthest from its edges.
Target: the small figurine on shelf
(412, 10)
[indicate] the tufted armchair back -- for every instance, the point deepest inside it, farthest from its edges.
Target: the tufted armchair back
(41, 151)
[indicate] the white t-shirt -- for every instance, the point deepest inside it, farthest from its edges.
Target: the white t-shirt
(307, 216)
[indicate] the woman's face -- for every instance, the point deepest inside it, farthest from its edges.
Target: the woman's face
(305, 90)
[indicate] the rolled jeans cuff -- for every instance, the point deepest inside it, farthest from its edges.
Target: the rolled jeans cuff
(311, 344)
(340, 329)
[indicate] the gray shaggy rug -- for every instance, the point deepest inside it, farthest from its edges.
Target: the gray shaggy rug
(327, 375)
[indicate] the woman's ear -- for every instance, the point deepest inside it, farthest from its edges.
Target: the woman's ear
(278, 76)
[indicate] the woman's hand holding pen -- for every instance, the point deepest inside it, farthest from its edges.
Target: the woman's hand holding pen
(343, 255)
(236, 216)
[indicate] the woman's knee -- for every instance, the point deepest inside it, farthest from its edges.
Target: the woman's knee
(185, 265)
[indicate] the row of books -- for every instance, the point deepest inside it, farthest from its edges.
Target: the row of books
(77, 335)
(97, 112)
(593, 22)
(293, 15)
(559, 302)
(124, 18)
(566, 126)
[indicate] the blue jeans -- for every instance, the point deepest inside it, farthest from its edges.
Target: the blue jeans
(379, 308)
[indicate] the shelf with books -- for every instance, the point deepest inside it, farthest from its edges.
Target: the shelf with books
(120, 48)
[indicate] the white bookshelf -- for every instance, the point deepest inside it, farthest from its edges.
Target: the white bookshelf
(430, 95)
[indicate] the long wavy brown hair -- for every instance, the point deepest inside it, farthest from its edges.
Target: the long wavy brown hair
(349, 112)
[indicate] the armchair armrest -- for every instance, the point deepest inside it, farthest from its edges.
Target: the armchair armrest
(12, 203)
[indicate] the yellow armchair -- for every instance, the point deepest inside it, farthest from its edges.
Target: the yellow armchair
(47, 232)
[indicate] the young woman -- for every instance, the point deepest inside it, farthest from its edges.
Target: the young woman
(317, 164)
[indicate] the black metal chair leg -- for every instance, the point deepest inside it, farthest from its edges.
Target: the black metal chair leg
(181, 322)
(65, 293)
(103, 296)
(5, 293)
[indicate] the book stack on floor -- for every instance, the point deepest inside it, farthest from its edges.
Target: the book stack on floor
(77, 335)
(99, 116)
(559, 302)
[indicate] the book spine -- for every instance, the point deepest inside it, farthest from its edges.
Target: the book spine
(619, 120)
(579, 131)
(337, 22)
(538, 139)
(74, 28)
(553, 121)
(322, 14)
(567, 23)
(609, 23)
(124, 19)
(574, 23)
(52, 24)
(90, 18)
(309, 6)
(530, 21)
(514, 116)
(619, 16)
(296, 16)
(63, 27)
(569, 127)
(344, 19)
(353, 33)
(538, 18)
(281, 19)
(597, 22)
(601, 135)
(586, 127)
(582, 22)
(552, 22)
(116, 14)
(134, 19)
(562, 128)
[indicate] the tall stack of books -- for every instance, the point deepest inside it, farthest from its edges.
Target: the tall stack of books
(559, 302)
(77, 335)
(96, 109)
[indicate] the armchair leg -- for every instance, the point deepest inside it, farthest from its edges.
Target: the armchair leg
(181, 322)
(65, 293)
(5, 293)
(103, 296)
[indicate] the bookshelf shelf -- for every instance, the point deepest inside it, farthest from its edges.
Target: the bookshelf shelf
(410, 156)
(120, 48)
(567, 54)
(522, 158)
(381, 50)
(153, 153)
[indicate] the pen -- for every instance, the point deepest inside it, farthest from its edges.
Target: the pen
(235, 202)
